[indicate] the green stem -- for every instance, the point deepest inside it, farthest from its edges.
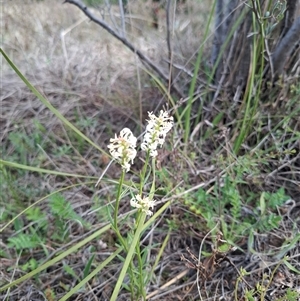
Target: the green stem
(118, 199)
(115, 222)
(116, 228)
(144, 172)
(129, 257)
(138, 221)
(140, 267)
(152, 189)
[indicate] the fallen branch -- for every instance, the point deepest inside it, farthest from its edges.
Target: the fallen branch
(124, 40)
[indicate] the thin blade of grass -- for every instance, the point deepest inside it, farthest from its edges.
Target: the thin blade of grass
(48, 104)
(42, 170)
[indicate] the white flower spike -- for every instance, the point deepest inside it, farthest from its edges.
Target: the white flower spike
(143, 203)
(156, 131)
(123, 148)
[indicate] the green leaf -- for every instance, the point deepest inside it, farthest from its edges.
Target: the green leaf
(23, 241)
(34, 214)
(285, 260)
(61, 207)
(30, 265)
(87, 268)
(70, 271)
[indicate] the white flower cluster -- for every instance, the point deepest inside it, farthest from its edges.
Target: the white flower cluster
(123, 148)
(156, 131)
(143, 203)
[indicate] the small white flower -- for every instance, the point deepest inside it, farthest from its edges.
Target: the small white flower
(156, 131)
(143, 203)
(122, 148)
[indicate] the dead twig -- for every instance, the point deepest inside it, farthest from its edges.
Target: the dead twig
(143, 57)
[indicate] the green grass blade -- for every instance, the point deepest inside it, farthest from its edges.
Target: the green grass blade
(42, 170)
(87, 268)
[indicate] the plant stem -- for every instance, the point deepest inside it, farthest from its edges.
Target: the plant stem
(144, 173)
(118, 199)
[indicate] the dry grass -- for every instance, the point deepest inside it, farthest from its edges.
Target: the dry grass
(100, 86)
